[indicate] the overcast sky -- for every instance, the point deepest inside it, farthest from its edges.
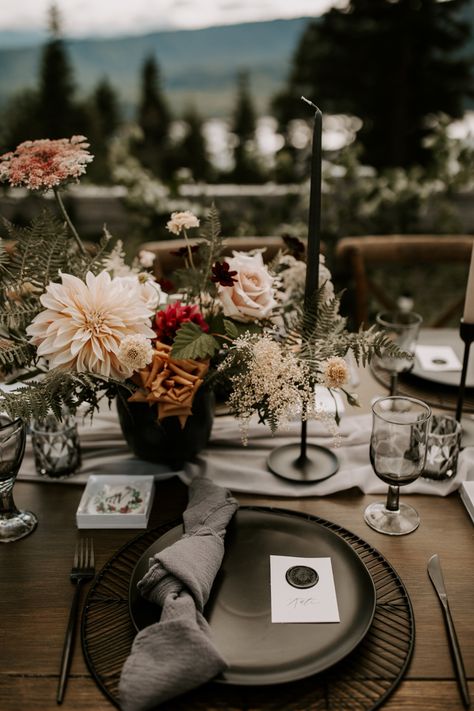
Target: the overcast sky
(118, 17)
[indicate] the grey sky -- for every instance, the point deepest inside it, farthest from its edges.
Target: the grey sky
(111, 17)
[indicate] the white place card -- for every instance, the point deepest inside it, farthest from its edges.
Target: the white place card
(302, 590)
(437, 358)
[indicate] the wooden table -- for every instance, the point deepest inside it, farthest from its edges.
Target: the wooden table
(35, 592)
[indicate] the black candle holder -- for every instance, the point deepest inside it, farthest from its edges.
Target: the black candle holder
(466, 331)
(301, 462)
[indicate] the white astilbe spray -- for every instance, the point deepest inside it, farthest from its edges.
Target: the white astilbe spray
(114, 262)
(271, 380)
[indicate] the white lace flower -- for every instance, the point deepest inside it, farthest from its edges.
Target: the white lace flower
(182, 221)
(135, 353)
(84, 323)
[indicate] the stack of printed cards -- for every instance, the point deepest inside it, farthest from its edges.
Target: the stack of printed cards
(466, 493)
(116, 502)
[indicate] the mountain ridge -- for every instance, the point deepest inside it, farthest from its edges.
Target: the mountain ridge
(198, 66)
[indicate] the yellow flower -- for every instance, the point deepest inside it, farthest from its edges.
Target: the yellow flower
(335, 372)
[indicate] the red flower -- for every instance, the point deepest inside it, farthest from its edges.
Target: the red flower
(295, 247)
(221, 274)
(166, 285)
(169, 320)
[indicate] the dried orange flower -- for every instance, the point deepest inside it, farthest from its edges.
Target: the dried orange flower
(170, 383)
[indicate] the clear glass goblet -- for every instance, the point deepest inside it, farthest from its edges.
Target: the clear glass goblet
(403, 328)
(14, 524)
(398, 443)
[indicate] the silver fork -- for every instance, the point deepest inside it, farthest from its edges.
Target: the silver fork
(82, 570)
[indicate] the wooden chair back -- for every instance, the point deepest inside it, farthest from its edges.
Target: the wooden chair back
(361, 255)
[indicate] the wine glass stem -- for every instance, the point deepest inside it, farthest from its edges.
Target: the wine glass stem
(392, 498)
(7, 505)
(393, 383)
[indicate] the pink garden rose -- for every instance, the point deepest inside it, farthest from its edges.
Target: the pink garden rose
(250, 298)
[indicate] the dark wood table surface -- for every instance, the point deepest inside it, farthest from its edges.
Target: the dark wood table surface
(35, 591)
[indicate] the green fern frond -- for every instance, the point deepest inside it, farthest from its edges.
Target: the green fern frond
(41, 251)
(16, 316)
(15, 355)
(4, 257)
(196, 281)
(96, 264)
(56, 390)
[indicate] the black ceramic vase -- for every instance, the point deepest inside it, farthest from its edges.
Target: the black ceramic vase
(166, 442)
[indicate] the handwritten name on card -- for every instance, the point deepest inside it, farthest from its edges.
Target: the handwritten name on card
(302, 590)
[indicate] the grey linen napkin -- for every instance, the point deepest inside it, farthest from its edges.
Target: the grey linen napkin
(177, 653)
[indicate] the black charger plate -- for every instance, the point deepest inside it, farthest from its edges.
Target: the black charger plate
(258, 651)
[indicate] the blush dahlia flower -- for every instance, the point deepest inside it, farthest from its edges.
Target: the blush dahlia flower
(84, 324)
(44, 164)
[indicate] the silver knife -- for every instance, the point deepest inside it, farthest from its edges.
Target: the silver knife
(436, 576)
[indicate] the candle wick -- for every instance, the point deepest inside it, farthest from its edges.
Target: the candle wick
(310, 103)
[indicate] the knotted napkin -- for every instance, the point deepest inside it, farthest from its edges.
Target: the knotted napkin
(177, 653)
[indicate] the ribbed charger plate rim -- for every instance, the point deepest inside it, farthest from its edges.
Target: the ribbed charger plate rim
(109, 682)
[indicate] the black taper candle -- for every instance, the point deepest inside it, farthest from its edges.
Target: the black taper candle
(305, 463)
(314, 236)
(314, 219)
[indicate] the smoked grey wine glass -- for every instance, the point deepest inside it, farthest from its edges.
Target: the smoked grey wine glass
(403, 328)
(400, 427)
(14, 524)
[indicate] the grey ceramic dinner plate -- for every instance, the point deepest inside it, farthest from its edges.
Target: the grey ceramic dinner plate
(443, 337)
(258, 651)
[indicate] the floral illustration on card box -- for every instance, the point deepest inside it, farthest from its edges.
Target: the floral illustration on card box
(80, 324)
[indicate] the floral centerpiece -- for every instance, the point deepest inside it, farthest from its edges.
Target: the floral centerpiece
(85, 325)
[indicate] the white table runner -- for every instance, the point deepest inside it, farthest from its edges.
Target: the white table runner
(243, 469)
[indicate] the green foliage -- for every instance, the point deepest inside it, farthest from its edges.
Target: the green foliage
(41, 250)
(405, 62)
(191, 342)
(56, 389)
(195, 279)
(15, 354)
(318, 331)
(231, 329)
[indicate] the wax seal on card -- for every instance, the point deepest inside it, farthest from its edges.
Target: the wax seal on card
(301, 576)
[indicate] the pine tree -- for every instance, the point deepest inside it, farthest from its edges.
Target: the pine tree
(50, 110)
(193, 149)
(390, 63)
(104, 119)
(154, 119)
(18, 121)
(58, 115)
(247, 168)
